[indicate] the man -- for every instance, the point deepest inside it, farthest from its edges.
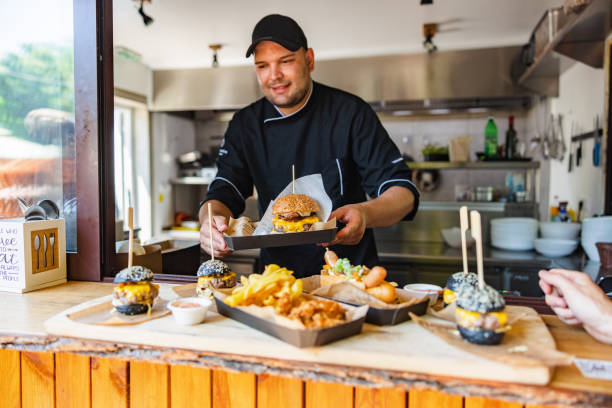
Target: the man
(319, 130)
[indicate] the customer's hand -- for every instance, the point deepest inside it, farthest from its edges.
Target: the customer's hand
(354, 218)
(577, 300)
(219, 225)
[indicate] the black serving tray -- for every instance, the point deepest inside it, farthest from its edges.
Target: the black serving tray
(377, 316)
(296, 337)
(280, 240)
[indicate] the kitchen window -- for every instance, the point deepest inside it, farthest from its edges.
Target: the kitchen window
(37, 134)
(56, 120)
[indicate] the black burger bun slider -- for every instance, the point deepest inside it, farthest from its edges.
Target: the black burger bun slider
(214, 275)
(134, 293)
(480, 314)
(456, 282)
(294, 213)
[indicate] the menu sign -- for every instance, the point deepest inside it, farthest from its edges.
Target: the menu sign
(594, 368)
(11, 245)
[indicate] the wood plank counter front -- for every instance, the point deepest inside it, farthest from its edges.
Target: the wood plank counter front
(39, 370)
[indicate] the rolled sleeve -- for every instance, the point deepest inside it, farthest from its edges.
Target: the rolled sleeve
(233, 183)
(379, 161)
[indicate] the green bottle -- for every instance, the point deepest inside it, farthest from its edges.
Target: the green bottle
(490, 147)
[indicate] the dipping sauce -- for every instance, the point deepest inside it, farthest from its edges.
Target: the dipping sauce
(186, 305)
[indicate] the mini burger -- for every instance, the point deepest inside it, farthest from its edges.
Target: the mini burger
(480, 314)
(456, 282)
(294, 213)
(134, 293)
(214, 275)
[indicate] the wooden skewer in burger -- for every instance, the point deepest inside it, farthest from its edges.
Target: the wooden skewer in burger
(372, 280)
(459, 279)
(480, 313)
(214, 273)
(134, 293)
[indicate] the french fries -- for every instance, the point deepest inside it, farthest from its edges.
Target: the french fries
(276, 287)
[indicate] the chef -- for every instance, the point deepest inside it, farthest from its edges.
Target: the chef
(318, 129)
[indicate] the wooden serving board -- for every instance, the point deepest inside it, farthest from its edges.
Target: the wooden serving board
(404, 347)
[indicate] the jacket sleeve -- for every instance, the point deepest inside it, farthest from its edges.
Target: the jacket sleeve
(378, 159)
(233, 183)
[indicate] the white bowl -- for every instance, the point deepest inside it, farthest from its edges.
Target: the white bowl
(514, 221)
(560, 230)
(452, 237)
(418, 290)
(194, 314)
(555, 247)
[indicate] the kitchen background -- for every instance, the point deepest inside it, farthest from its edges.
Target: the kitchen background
(485, 64)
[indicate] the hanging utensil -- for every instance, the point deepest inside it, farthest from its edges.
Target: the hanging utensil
(563, 146)
(571, 154)
(597, 143)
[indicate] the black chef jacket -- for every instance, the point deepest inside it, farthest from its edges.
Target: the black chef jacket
(334, 133)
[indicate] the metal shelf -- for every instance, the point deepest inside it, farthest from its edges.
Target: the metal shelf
(483, 165)
(195, 181)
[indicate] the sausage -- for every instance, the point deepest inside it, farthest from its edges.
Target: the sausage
(330, 257)
(376, 275)
(385, 292)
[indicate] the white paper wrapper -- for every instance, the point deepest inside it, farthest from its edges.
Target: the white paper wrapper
(311, 185)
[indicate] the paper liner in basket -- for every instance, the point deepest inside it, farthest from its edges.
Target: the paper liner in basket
(347, 292)
(268, 313)
(527, 343)
(311, 185)
(104, 314)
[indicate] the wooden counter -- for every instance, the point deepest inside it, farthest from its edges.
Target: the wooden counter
(51, 371)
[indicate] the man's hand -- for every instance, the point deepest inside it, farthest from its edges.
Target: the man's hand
(219, 225)
(354, 216)
(577, 300)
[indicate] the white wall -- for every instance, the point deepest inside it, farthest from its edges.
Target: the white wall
(172, 136)
(581, 97)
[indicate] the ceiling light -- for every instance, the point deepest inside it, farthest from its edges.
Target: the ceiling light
(146, 19)
(429, 30)
(424, 2)
(215, 48)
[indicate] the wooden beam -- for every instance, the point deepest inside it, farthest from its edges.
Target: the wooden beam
(72, 380)
(10, 379)
(233, 390)
(366, 397)
(190, 387)
(37, 379)
(430, 398)
(149, 385)
(279, 392)
(328, 395)
(481, 402)
(109, 382)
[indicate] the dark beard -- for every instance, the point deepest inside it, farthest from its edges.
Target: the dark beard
(293, 102)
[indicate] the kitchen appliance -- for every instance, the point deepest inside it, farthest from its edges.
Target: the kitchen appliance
(191, 163)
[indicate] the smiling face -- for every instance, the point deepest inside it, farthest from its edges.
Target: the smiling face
(284, 75)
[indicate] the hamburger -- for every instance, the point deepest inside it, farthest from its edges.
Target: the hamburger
(214, 275)
(134, 293)
(294, 213)
(455, 283)
(480, 314)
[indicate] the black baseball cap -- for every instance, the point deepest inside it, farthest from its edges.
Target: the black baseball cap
(280, 29)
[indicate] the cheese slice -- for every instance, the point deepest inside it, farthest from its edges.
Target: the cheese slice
(465, 318)
(449, 296)
(294, 226)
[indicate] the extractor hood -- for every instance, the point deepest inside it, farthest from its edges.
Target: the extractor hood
(578, 30)
(455, 80)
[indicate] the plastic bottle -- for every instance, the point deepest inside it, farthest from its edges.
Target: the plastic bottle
(490, 148)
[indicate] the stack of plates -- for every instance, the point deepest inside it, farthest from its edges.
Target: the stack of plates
(594, 230)
(515, 233)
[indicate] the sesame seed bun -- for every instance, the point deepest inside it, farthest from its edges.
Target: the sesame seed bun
(290, 203)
